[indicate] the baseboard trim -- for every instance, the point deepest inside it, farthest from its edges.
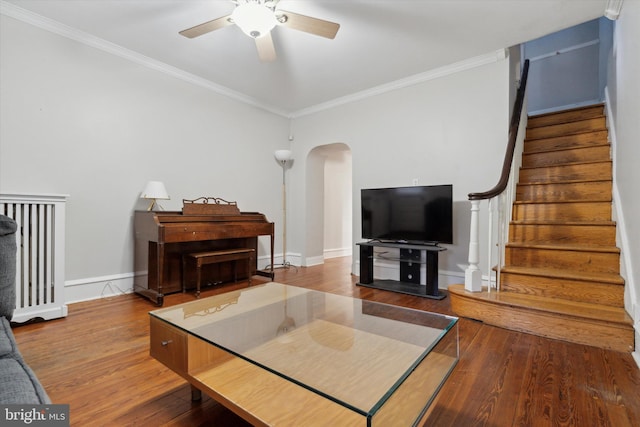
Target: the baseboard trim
(315, 260)
(565, 107)
(337, 252)
(622, 240)
(92, 288)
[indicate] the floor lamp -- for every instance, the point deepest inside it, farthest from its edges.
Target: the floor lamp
(284, 156)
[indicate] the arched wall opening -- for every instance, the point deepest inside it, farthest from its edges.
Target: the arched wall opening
(328, 189)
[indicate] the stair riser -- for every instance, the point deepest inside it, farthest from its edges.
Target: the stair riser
(566, 142)
(567, 116)
(597, 235)
(574, 290)
(591, 211)
(577, 191)
(567, 128)
(576, 155)
(582, 261)
(568, 173)
(545, 324)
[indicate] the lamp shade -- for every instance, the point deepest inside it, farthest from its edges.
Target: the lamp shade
(155, 190)
(254, 19)
(282, 155)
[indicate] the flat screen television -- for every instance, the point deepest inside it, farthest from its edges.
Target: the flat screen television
(418, 214)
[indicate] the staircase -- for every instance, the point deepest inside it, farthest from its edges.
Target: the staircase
(561, 277)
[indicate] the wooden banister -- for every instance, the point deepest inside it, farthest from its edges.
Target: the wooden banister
(513, 134)
(473, 274)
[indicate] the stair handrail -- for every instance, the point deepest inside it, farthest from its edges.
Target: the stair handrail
(514, 126)
(473, 274)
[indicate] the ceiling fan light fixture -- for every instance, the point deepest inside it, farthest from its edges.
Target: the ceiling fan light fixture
(254, 19)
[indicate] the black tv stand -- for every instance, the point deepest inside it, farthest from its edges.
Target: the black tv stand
(410, 261)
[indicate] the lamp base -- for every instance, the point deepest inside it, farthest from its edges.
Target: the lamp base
(156, 205)
(284, 264)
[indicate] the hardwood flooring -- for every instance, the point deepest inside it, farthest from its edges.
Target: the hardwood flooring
(97, 360)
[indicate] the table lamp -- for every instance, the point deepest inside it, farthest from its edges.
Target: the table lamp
(153, 191)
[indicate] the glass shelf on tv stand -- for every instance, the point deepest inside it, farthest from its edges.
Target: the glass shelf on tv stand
(410, 263)
(404, 245)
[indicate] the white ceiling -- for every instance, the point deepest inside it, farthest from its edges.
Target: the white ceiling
(379, 41)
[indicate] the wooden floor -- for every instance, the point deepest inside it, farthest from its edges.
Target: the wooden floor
(97, 360)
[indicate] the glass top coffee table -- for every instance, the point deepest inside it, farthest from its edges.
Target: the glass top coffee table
(283, 355)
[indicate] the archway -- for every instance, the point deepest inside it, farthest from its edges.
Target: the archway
(328, 203)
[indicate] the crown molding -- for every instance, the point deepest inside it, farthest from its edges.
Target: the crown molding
(612, 11)
(565, 50)
(446, 70)
(56, 27)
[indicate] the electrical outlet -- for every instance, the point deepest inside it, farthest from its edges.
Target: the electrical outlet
(415, 181)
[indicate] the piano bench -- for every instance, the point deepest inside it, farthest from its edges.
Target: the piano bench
(198, 259)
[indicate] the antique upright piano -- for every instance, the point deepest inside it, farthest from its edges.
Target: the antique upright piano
(162, 237)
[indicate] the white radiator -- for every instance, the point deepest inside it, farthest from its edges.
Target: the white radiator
(40, 257)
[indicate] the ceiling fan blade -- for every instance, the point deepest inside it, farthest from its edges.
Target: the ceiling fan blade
(266, 50)
(316, 26)
(207, 27)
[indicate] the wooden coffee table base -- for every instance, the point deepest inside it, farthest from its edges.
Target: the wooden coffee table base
(263, 398)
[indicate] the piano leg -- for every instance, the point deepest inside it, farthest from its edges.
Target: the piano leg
(151, 294)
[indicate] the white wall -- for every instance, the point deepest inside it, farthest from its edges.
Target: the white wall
(338, 212)
(623, 88)
(79, 121)
(450, 129)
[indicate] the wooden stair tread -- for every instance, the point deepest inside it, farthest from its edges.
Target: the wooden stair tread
(584, 310)
(577, 113)
(581, 138)
(582, 107)
(585, 323)
(537, 123)
(564, 247)
(551, 183)
(548, 191)
(565, 181)
(567, 164)
(570, 223)
(560, 149)
(577, 155)
(591, 139)
(609, 278)
(563, 202)
(572, 127)
(537, 136)
(573, 172)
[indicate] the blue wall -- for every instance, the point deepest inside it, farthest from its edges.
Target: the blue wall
(568, 68)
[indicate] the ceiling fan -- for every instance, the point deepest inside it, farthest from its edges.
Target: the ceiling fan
(257, 18)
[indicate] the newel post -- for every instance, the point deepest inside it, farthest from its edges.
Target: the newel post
(473, 275)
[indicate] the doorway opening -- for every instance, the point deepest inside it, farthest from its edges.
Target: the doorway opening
(329, 193)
